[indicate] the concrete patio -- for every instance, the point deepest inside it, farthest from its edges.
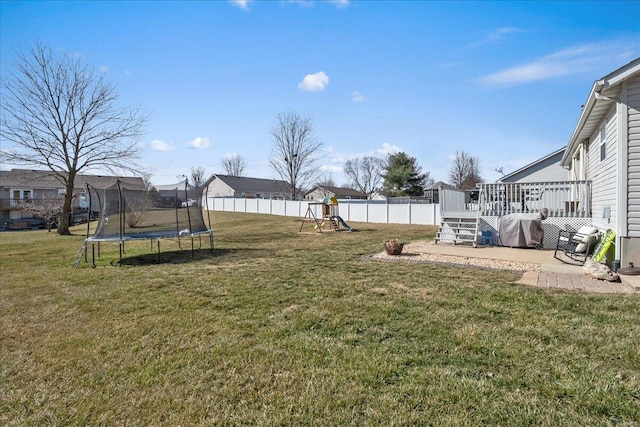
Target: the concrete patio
(553, 274)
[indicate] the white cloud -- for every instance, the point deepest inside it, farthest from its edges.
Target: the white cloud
(241, 4)
(104, 68)
(314, 82)
(573, 60)
(388, 149)
(331, 169)
(340, 3)
(497, 36)
(199, 143)
(357, 96)
(158, 145)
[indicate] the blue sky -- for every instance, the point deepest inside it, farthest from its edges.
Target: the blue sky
(503, 81)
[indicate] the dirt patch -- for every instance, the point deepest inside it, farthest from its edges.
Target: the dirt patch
(417, 252)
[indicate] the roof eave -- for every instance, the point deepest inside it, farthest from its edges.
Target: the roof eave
(584, 115)
(608, 85)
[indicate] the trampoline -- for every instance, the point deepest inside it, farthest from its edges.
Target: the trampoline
(128, 214)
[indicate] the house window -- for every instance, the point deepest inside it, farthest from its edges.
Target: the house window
(603, 143)
(20, 196)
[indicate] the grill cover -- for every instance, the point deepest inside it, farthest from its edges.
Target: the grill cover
(520, 230)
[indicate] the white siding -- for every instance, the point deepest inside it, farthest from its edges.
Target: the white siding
(633, 206)
(217, 188)
(602, 172)
(553, 172)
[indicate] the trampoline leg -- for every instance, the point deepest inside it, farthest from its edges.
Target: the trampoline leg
(211, 242)
(193, 254)
(93, 255)
(121, 251)
(98, 249)
(159, 251)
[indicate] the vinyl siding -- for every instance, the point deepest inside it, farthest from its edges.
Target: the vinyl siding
(604, 182)
(633, 157)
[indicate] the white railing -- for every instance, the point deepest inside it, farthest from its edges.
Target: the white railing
(371, 211)
(571, 199)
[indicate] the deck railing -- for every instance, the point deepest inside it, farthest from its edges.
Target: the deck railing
(570, 199)
(12, 204)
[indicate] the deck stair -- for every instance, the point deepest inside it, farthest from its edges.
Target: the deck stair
(457, 229)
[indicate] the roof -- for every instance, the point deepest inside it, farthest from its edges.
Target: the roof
(437, 185)
(603, 92)
(245, 184)
(43, 180)
(340, 192)
(170, 187)
(532, 164)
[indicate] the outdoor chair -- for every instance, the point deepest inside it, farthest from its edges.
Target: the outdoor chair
(576, 246)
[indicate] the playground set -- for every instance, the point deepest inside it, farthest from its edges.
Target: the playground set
(324, 213)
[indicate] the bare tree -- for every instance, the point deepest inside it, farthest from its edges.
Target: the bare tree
(234, 164)
(294, 151)
(325, 180)
(146, 179)
(365, 174)
(464, 172)
(58, 113)
(197, 177)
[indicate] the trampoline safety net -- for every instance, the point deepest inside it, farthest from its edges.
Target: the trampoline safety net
(137, 213)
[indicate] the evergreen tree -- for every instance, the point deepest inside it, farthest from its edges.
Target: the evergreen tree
(403, 176)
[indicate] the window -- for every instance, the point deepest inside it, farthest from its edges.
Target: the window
(20, 196)
(603, 142)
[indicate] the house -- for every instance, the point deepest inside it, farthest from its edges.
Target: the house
(172, 195)
(20, 185)
(432, 192)
(325, 191)
(546, 169)
(605, 149)
(241, 186)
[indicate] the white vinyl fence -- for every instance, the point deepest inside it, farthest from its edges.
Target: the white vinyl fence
(373, 211)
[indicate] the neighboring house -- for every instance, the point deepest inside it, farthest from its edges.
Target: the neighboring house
(172, 195)
(20, 185)
(345, 193)
(605, 148)
(432, 192)
(241, 186)
(546, 169)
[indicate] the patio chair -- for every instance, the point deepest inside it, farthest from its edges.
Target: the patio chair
(576, 246)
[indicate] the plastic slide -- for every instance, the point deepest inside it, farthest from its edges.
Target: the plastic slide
(344, 224)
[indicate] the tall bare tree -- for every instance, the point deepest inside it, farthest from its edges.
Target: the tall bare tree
(197, 176)
(365, 174)
(465, 171)
(60, 114)
(234, 164)
(295, 150)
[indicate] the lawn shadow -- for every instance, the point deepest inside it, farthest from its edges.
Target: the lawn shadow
(218, 256)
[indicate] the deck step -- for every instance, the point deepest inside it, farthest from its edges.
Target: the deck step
(456, 230)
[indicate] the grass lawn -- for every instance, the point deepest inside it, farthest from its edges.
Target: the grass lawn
(287, 328)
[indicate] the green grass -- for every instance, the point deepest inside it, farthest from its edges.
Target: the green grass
(288, 328)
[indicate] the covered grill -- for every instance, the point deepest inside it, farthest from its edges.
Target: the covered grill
(521, 230)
